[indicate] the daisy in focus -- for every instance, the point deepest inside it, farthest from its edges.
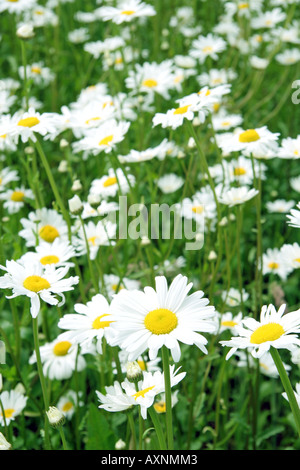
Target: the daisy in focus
(37, 282)
(163, 316)
(91, 323)
(250, 141)
(43, 225)
(274, 329)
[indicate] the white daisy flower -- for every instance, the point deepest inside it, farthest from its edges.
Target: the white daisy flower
(273, 262)
(43, 225)
(113, 183)
(233, 196)
(266, 363)
(274, 329)
(19, 6)
(102, 139)
(90, 324)
(14, 199)
(12, 405)
(255, 141)
(288, 57)
(207, 46)
(230, 321)
(233, 297)
(113, 284)
(36, 282)
(97, 234)
(153, 384)
(115, 399)
(151, 78)
(294, 217)
(290, 148)
(151, 318)
(38, 73)
(170, 183)
(97, 48)
(68, 403)
(280, 206)
(6, 176)
(60, 358)
(290, 253)
(58, 253)
(31, 122)
(268, 19)
(125, 11)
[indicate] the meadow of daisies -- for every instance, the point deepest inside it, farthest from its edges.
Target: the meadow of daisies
(121, 330)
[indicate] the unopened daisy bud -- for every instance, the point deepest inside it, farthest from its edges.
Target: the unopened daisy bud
(55, 416)
(63, 166)
(29, 150)
(191, 143)
(134, 372)
(223, 221)
(25, 31)
(75, 205)
(4, 444)
(94, 200)
(196, 121)
(180, 154)
(212, 255)
(63, 143)
(165, 45)
(145, 240)
(77, 186)
(120, 445)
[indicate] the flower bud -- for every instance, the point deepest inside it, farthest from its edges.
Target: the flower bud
(134, 372)
(75, 205)
(55, 416)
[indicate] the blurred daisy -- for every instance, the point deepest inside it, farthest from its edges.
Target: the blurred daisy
(170, 183)
(268, 19)
(266, 364)
(68, 403)
(151, 78)
(102, 139)
(280, 206)
(229, 321)
(90, 324)
(274, 329)
(111, 184)
(36, 282)
(153, 318)
(233, 297)
(125, 11)
(233, 196)
(43, 225)
(273, 263)
(288, 57)
(60, 358)
(294, 217)
(97, 234)
(31, 122)
(12, 405)
(38, 73)
(248, 141)
(19, 6)
(207, 46)
(113, 284)
(290, 148)
(14, 199)
(7, 175)
(290, 253)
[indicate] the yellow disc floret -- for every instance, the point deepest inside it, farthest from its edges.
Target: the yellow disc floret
(36, 283)
(161, 321)
(267, 332)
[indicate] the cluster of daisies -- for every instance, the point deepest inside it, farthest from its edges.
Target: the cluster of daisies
(107, 124)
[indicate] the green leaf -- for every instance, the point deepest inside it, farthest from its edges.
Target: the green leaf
(99, 435)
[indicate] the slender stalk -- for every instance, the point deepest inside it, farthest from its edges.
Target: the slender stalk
(42, 379)
(158, 428)
(169, 423)
(63, 438)
(287, 386)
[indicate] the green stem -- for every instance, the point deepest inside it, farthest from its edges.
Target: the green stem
(63, 438)
(287, 386)
(42, 379)
(169, 423)
(158, 429)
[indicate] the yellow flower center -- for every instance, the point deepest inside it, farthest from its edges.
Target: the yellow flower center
(97, 323)
(106, 140)
(36, 70)
(8, 413)
(17, 196)
(142, 364)
(116, 286)
(229, 323)
(61, 348)
(273, 265)
(67, 406)
(160, 321)
(96, 118)
(296, 152)
(49, 259)
(239, 171)
(110, 181)
(92, 240)
(182, 109)
(198, 209)
(207, 49)
(241, 6)
(128, 12)
(225, 123)
(28, 122)
(249, 136)
(150, 83)
(3, 136)
(36, 283)
(160, 407)
(297, 259)
(142, 393)
(48, 233)
(268, 332)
